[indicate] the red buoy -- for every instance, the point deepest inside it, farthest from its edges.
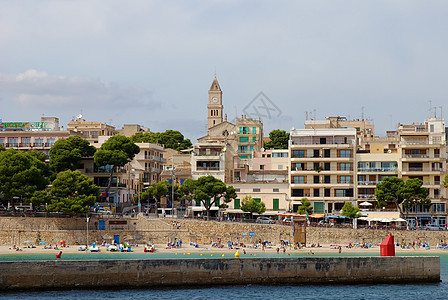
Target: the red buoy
(59, 254)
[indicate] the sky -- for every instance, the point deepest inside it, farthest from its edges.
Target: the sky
(152, 62)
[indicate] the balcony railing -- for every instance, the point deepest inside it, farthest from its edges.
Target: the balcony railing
(366, 196)
(19, 145)
(415, 156)
(377, 169)
(368, 182)
(207, 168)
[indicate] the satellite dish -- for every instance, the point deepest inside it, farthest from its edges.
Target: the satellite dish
(79, 116)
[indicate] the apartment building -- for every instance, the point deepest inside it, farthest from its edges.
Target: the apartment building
(424, 156)
(322, 167)
(212, 159)
(148, 164)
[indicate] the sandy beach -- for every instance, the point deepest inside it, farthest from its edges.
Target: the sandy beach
(207, 248)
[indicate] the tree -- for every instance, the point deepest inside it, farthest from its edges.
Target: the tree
(172, 139)
(305, 207)
(278, 140)
(157, 190)
(404, 195)
(21, 174)
(72, 193)
(414, 194)
(350, 211)
(208, 190)
(116, 152)
(250, 205)
(66, 154)
(445, 181)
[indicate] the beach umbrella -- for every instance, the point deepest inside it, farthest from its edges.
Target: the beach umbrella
(376, 219)
(398, 220)
(365, 203)
(385, 220)
(42, 242)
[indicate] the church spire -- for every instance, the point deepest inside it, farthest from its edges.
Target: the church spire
(215, 85)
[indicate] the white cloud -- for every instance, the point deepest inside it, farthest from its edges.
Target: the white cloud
(34, 88)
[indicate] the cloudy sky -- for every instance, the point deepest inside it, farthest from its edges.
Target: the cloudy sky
(152, 62)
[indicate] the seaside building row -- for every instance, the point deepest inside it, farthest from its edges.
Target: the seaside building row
(330, 162)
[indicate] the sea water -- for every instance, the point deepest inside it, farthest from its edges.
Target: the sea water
(354, 291)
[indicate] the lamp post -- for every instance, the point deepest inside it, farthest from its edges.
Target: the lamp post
(172, 187)
(87, 231)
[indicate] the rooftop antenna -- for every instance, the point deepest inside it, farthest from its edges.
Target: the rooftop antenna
(306, 115)
(430, 107)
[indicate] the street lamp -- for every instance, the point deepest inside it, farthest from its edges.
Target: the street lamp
(172, 187)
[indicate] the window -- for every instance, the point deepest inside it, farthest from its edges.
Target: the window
(327, 179)
(254, 139)
(327, 193)
(256, 190)
(26, 141)
(323, 141)
(242, 149)
(345, 153)
(50, 142)
(254, 130)
(326, 152)
(13, 142)
(298, 153)
(344, 193)
(316, 179)
(237, 190)
(438, 207)
(345, 179)
(316, 192)
(2, 141)
(298, 179)
(261, 167)
(276, 190)
(280, 154)
(316, 153)
(327, 166)
(297, 192)
(345, 166)
(244, 130)
(298, 166)
(244, 139)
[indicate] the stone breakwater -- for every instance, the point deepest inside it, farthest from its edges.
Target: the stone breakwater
(60, 274)
(14, 231)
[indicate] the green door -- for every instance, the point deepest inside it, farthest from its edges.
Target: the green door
(236, 203)
(318, 207)
(275, 204)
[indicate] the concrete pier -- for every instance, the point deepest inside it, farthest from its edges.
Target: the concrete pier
(71, 274)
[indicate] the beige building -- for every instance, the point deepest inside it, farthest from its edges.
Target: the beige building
(129, 130)
(273, 195)
(91, 130)
(322, 167)
(212, 159)
(363, 127)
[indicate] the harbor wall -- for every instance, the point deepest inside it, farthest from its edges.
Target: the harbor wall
(14, 231)
(66, 274)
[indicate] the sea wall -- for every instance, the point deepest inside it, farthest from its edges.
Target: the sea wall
(54, 274)
(14, 231)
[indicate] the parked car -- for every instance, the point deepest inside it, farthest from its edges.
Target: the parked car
(264, 220)
(104, 211)
(3, 208)
(433, 227)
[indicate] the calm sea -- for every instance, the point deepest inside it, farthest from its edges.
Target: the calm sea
(409, 291)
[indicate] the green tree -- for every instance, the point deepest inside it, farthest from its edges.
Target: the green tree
(248, 204)
(66, 154)
(117, 151)
(172, 139)
(414, 194)
(278, 140)
(445, 181)
(72, 193)
(208, 190)
(21, 174)
(350, 211)
(305, 207)
(157, 190)
(404, 195)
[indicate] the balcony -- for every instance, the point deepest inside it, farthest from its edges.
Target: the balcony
(415, 156)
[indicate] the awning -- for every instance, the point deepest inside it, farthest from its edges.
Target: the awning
(383, 214)
(234, 211)
(201, 208)
(316, 216)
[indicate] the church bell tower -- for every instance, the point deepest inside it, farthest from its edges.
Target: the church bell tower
(214, 106)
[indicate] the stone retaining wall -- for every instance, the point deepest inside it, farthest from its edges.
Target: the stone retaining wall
(14, 231)
(67, 274)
